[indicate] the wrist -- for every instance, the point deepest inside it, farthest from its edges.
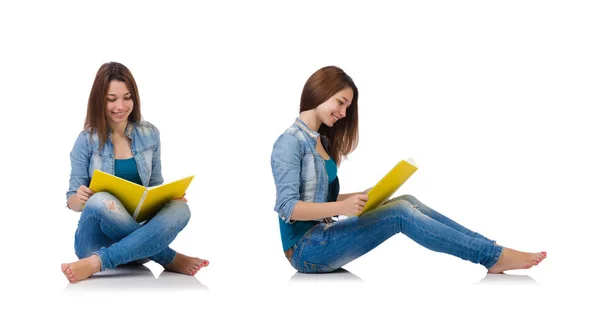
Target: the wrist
(338, 208)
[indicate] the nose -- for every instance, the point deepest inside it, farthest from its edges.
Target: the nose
(120, 104)
(343, 112)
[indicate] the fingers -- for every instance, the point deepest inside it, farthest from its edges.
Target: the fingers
(86, 190)
(359, 209)
(361, 202)
(83, 194)
(82, 199)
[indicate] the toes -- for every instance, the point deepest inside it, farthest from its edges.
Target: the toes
(540, 257)
(69, 274)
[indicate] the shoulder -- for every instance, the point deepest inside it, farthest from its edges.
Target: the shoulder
(145, 126)
(83, 139)
(288, 145)
(146, 130)
(291, 137)
(84, 142)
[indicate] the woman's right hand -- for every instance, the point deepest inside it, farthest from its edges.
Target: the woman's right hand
(83, 194)
(354, 205)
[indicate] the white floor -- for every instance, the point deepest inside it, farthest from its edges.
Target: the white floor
(249, 278)
(422, 285)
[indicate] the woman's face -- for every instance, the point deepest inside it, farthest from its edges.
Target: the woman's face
(334, 108)
(119, 102)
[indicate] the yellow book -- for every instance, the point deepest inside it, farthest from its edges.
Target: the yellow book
(389, 184)
(141, 202)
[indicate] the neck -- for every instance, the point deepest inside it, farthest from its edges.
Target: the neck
(118, 128)
(311, 119)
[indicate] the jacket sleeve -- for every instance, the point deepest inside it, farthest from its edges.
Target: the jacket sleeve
(156, 173)
(286, 165)
(80, 163)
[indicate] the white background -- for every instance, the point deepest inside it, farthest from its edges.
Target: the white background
(494, 100)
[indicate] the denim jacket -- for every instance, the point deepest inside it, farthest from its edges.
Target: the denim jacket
(298, 169)
(86, 156)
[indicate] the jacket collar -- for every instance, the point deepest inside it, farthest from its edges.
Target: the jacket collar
(302, 126)
(128, 130)
(313, 135)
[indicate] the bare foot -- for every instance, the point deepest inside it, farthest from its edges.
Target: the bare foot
(511, 259)
(186, 265)
(81, 269)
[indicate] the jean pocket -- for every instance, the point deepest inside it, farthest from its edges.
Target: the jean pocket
(315, 268)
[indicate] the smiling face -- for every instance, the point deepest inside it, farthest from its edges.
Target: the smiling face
(334, 108)
(119, 103)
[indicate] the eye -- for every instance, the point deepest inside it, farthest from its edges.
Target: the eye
(111, 99)
(127, 98)
(339, 102)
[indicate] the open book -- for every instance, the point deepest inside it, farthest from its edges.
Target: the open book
(141, 202)
(389, 184)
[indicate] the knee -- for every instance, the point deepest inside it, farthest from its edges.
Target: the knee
(179, 214)
(99, 200)
(409, 198)
(398, 203)
(403, 205)
(104, 204)
(402, 209)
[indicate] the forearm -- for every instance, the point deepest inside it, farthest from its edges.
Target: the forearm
(305, 211)
(74, 204)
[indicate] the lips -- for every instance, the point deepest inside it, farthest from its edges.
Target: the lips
(119, 114)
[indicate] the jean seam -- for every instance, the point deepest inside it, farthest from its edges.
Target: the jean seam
(109, 227)
(495, 257)
(302, 240)
(165, 263)
(80, 225)
(97, 253)
(464, 246)
(144, 253)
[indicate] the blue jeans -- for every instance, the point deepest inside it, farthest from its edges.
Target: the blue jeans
(327, 247)
(108, 230)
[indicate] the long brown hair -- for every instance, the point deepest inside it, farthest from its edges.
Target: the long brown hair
(320, 86)
(95, 120)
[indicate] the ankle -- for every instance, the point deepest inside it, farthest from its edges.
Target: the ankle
(96, 262)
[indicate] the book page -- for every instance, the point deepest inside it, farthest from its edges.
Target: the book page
(389, 184)
(127, 192)
(411, 161)
(158, 196)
